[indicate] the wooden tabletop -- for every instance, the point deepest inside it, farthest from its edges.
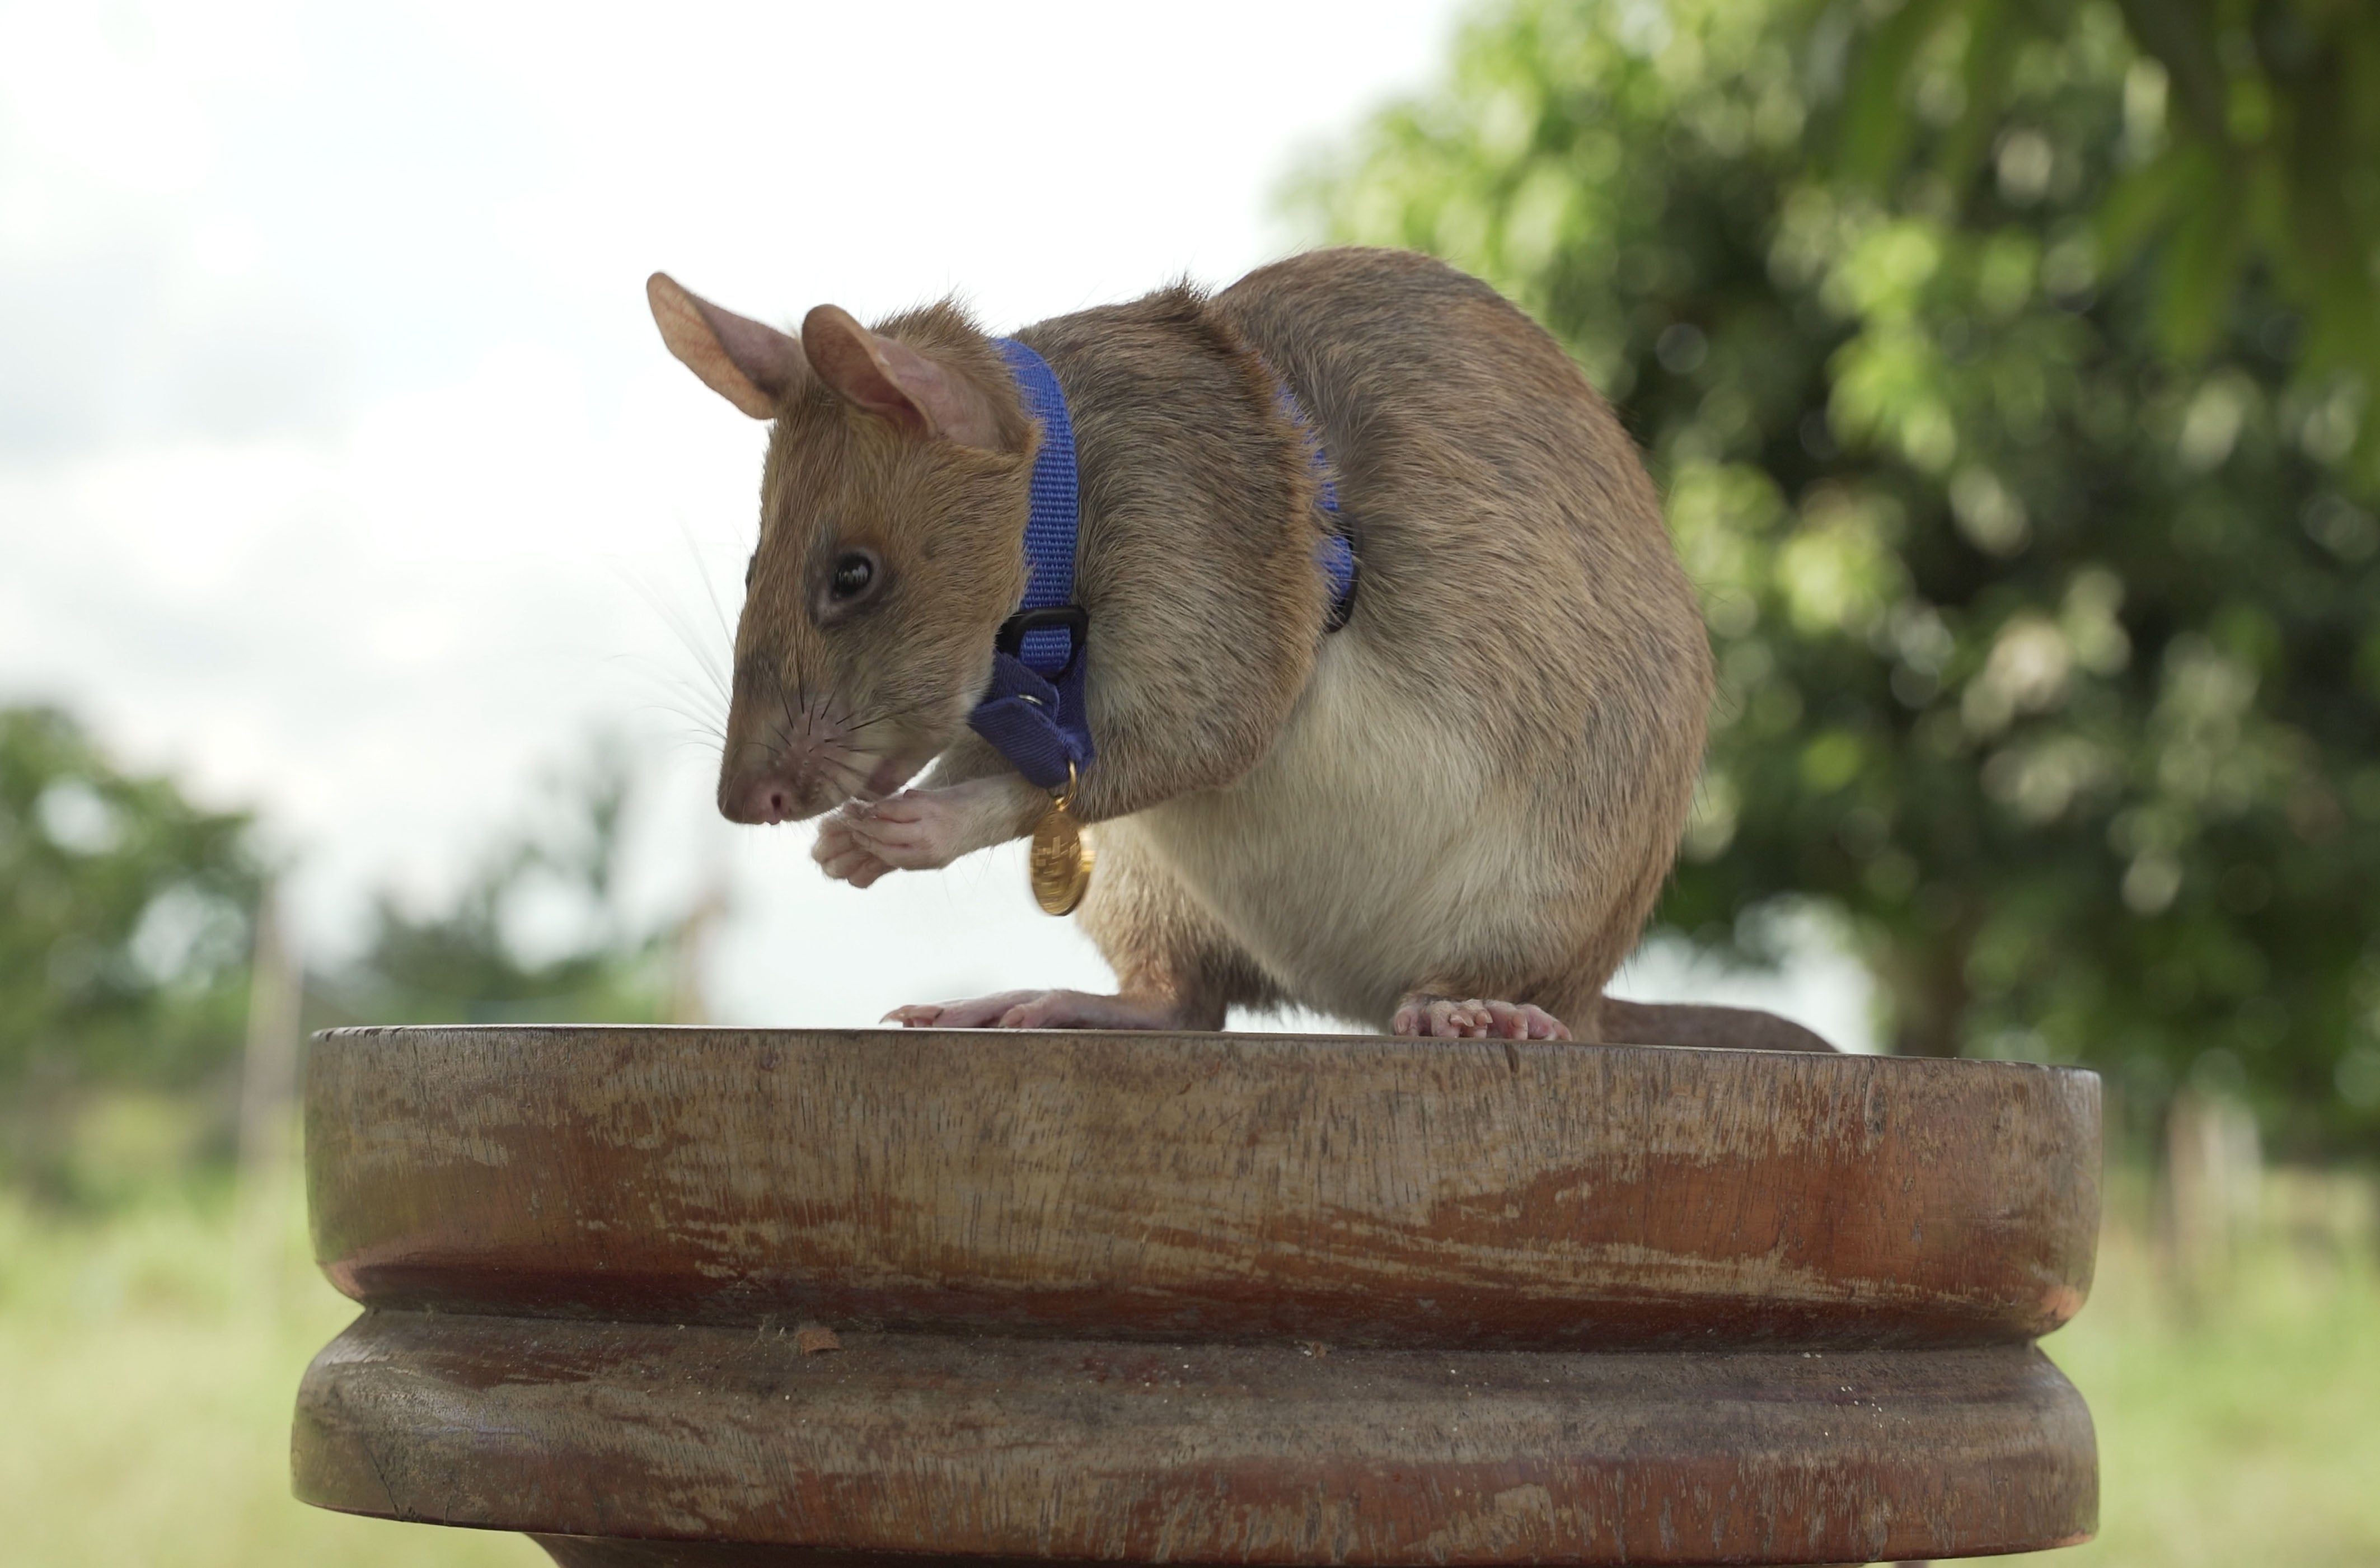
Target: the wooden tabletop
(1196, 1297)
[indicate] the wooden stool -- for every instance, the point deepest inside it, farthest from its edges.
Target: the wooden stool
(665, 1296)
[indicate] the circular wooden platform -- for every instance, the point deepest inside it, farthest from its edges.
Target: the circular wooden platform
(700, 1295)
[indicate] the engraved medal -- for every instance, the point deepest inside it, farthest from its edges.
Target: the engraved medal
(1061, 861)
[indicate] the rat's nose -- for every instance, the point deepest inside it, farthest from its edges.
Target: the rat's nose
(762, 797)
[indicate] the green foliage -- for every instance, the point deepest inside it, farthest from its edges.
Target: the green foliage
(537, 932)
(2050, 662)
(2251, 145)
(124, 917)
(125, 927)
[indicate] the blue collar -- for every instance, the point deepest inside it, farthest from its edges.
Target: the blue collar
(1035, 714)
(1336, 554)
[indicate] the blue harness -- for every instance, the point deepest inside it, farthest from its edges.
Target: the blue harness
(1035, 714)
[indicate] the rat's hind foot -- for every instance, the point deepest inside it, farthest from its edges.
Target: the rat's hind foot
(1040, 1010)
(1443, 1018)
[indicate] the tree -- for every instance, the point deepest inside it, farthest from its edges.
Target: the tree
(477, 961)
(126, 920)
(124, 915)
(2050, 661)
(2256, 148)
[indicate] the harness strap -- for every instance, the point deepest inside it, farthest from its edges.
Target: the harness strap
(1034, 713)
(1335, 553)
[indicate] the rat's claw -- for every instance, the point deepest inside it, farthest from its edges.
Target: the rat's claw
(909, 806)
(833, 835)
(845, 856)
(973, 1014)
(1042, 1009)
(1523, 1022)
(1444, 1017)
(918, 829)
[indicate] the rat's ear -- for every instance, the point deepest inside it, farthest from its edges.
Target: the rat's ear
(886, 376)
(755, 367)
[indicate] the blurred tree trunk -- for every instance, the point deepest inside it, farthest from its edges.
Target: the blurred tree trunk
(689, 946)
(1926, 976)
(2214, 1178)
(268, 1094)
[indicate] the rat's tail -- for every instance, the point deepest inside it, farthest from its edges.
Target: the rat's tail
(1731, 1028)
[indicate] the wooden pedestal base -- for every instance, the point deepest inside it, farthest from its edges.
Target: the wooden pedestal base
(710, 1298)
(1009, 1448)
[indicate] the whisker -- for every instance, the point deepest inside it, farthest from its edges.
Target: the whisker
(718, 611)
(707, 721)
(671, 616)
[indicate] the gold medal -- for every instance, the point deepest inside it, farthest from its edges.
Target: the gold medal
(1061, 861)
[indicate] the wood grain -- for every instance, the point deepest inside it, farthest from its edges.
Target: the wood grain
(1195, 1453)
(709, 1298)
(1358, 1191)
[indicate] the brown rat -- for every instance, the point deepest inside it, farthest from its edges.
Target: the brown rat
(1450, 817)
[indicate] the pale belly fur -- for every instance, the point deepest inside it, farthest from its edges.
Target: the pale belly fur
(1366, 852)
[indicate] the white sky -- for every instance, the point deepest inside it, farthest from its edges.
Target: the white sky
(342, 471)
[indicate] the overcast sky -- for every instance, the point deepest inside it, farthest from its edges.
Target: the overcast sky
(342, 471)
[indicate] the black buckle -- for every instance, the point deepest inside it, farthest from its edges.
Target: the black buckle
(1010, 637)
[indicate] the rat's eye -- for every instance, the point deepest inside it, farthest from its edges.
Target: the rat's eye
(748, 566)
(853, 573)
(849, 583)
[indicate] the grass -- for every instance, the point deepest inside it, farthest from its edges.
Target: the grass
(148, 1362)
(148, 1365)
(2239, 1418)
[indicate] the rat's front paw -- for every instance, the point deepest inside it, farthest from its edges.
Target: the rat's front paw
(1443, 1017)
(915, 830)
(919, 830)
(843, 856)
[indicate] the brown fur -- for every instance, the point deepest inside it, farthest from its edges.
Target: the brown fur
(1474, 789)
(898, 681)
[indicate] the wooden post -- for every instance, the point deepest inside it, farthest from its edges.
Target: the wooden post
(267, 1095)
(712, 1296)
(2213, 1173)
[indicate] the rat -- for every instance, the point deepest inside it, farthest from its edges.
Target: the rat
(1443, 806)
